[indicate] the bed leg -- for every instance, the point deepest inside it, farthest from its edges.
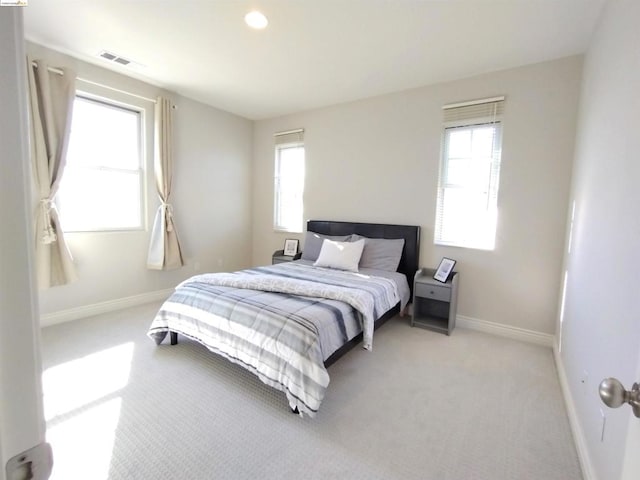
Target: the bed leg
(174, 338)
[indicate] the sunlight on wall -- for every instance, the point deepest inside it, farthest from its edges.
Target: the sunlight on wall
(82, 402)
(571, 224)
(562, 302)
(565, 279)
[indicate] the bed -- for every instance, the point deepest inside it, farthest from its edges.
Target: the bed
(288, 322)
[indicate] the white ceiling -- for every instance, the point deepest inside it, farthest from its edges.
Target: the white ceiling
(314, 53)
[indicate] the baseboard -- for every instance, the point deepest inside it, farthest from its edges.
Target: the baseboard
(84, 311)
(588, 473)
(502, 330)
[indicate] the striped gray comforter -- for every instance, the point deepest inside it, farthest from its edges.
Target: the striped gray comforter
(276, 321)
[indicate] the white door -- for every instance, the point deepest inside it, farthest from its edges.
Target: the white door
(22, 427)
(631, 468)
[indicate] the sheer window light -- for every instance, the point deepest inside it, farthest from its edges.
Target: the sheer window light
(102, 185)
(289, 182)
(467, 204)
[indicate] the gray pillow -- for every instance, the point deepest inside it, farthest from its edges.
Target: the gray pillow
(380, 253)
(313, 244)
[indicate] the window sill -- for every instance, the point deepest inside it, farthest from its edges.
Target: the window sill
(468, 247)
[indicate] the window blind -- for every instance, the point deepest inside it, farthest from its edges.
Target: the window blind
(466, 113)
(290, 136)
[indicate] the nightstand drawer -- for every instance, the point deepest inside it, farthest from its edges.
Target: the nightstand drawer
(279, 257)
(432, 291)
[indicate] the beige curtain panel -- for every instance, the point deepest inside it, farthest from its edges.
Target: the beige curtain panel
(51, 97)
(164, 248)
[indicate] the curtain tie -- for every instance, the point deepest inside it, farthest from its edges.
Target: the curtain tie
(48, 232)
(168, 213)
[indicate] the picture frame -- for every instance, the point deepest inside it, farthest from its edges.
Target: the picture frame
(444, 269)
(290, 247)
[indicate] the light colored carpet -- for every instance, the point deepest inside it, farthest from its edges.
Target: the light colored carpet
(420, 406)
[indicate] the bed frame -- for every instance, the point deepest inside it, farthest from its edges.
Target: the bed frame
(409, 262)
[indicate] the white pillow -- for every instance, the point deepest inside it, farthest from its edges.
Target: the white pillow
(340, 255)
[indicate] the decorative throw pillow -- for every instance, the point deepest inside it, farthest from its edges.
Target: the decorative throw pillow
(381, 253)
(340, 255)
(313, 244)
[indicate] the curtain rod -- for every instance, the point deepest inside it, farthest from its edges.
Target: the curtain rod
(473, 102)
(279, 134)
(102, 85)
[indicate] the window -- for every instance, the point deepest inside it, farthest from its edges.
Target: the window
(102, 184)
(467, 206)
(289, 182)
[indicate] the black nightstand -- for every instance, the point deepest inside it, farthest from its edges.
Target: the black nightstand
(279, 257)
(434, 303)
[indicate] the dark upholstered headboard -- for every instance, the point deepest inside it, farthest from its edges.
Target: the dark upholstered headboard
(410, 261)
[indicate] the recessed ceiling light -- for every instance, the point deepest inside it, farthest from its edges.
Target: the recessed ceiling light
(256, 20)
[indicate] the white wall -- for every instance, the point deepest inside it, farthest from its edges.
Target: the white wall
(601, 324)
(211, 199)
(377, 160)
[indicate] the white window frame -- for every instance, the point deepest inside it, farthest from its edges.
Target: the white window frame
(286, 141)
(477, 228)
(140, 171)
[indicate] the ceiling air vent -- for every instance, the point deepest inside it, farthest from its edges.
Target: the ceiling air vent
(112, 57)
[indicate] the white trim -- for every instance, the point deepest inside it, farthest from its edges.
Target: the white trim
(473, 102)
(84, 311)
(515, 333)
(579, 440)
